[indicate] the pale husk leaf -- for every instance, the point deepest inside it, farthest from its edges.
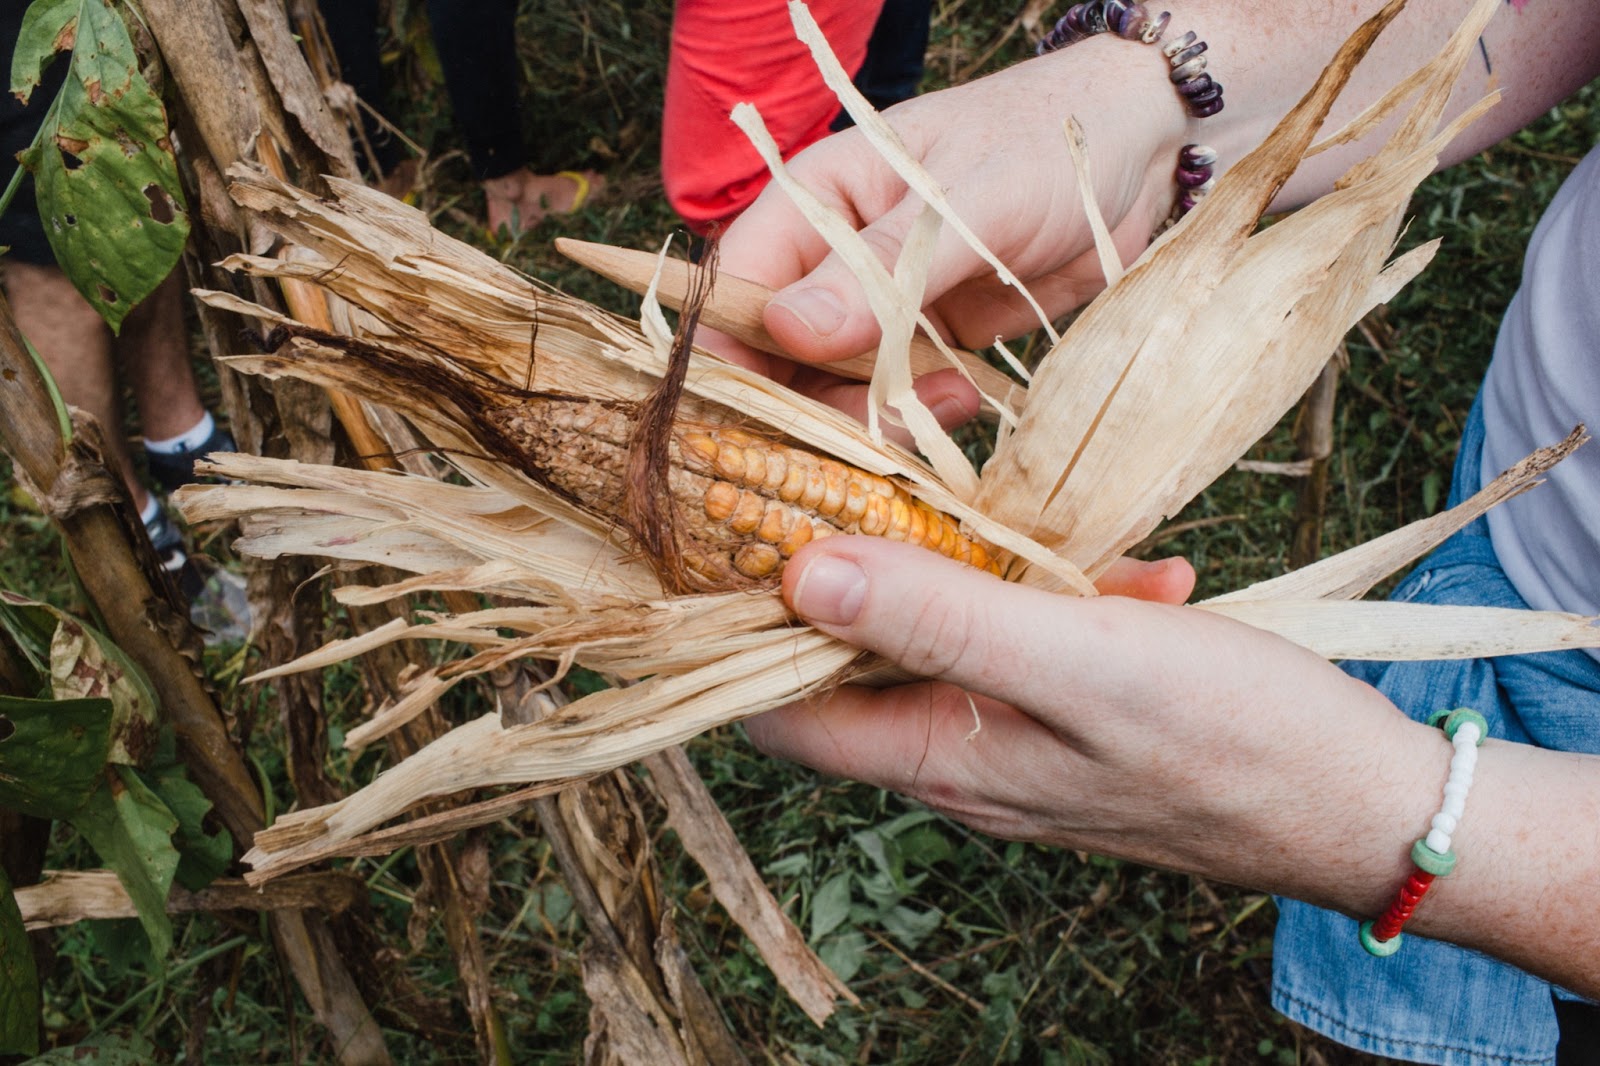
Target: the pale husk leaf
(1392, 631)
(1352, 573)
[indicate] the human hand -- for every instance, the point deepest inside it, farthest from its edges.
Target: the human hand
(998, 147)
(1144, 730)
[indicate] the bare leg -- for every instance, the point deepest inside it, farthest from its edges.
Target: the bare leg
(153, 352)
(75, 344)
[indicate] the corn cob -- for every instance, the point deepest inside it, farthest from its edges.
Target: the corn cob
(744, 503)
(740, 503)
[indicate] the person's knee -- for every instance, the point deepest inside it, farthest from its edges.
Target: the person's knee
(45, 292)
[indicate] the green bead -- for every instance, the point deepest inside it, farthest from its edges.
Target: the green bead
(1381, 948)
(1439, 716)
(1460, 717)
(1431, 862)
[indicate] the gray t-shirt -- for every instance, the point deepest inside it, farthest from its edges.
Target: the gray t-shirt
(1545, 379)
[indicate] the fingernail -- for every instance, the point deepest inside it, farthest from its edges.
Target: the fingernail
(830, 590)
(817, 309)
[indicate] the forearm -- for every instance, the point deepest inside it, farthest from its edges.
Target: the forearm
(1268, 55)
(1527, 886)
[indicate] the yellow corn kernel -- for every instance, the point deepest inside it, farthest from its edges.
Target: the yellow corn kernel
(855, 502)
(875, 518)
(720, 500)
(747, 515)
(777, 468)
(816, 488)
(834, 479)
(794, 483)
(755, 465)
(730, 462)
(757, 560)
(799, 536)
(774, 522)
(899, 519)
(702, 444)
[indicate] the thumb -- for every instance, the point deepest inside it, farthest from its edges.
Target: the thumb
(941, 619)
(826, 315)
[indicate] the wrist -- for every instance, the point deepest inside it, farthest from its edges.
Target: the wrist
(1133, 121)
(1188, 71)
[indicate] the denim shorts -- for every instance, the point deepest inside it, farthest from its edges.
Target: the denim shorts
(1435, 1002)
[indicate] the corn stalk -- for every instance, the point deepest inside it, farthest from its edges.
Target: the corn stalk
(286, 126)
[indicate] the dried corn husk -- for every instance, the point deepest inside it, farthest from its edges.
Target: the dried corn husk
(1193, 353)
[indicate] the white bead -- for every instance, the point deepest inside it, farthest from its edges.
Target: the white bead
(1439, 842)
(1445, 822)
(1173, 47)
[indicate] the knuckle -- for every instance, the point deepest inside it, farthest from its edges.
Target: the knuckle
(937, 637)
(884, 244)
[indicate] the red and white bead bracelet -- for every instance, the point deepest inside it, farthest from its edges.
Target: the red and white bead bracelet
(1432, 856)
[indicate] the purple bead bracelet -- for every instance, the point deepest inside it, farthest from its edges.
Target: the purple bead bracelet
(1200, 92)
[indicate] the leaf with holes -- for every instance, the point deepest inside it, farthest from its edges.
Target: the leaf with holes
(105, 177)
(19, 980)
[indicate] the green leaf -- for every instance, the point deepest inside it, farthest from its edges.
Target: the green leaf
(120, 949)
(19, 980)
(894, 827)
(48, 27)
(29, 626)
(101, 1051)
(52, 753)
(131, 829)
(926, 846)
(830, 906)
(105, 177)
(844, 954)
(86, 664)
(792, 865)
(1432, 482)
(203, 856)
(911, 927)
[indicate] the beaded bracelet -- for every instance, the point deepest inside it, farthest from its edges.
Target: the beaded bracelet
(1202, 95)
(1431, 857)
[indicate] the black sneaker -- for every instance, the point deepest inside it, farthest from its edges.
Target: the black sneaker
(172, 470)
(174, 559)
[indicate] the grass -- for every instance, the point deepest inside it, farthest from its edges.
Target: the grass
(962, 948)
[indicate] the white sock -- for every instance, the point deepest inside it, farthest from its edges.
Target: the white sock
(187, 441)
(152, 509)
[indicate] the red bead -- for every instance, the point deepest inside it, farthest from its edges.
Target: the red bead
(1400, 910)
